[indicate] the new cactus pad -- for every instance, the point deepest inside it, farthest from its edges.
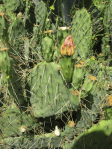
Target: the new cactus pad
(48, 47)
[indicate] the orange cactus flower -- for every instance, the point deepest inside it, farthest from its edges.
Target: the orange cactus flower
(110, 100)
(68, 47)
(71, 123)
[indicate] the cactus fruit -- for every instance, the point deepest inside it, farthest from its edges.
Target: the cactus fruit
(67, 50)
(67, 67)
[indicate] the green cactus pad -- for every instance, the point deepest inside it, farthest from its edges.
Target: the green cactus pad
(48, 47)
(49, 95)
(81, 33)
(12, 5)
(3, 28)
(12, 121)
(100, 4)
(78, 76)
(5, 64)
(67, 67)
(40, 13)
(98, 136)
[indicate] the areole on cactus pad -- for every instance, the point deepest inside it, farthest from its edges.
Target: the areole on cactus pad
(68, 47)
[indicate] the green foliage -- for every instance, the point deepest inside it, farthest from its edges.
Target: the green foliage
(50, 100)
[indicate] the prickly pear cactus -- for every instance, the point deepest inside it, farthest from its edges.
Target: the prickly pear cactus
(55, 87)
(5, 63)
(16, 35)
(48, 47)
(82, 33)
(62, 34)
(48, 91)
(17, 29)
(3, 28)
(55, 137)
(40, 14)
(106, 48)
(67, 50)
(12, 5)
(2, 8)
(98, 136)
(88, 87)
(12, 123)
(108, 112)
(100, 4)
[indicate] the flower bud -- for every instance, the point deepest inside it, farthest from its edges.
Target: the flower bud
(68, 47)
